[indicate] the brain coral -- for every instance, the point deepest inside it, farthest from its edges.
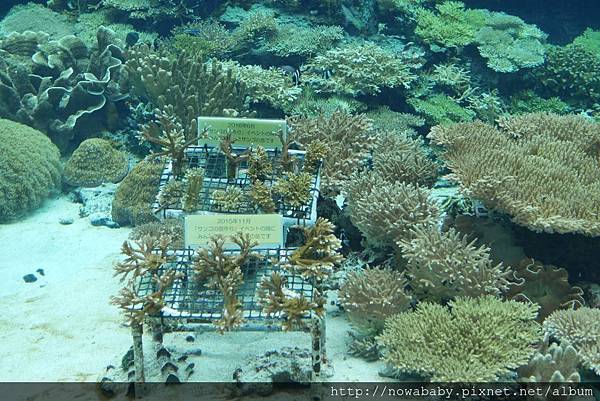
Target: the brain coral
(95, 161)
(29, 169)
(542, 169)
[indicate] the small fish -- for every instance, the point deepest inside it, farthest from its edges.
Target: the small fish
(193, 32)
(327, 74)
(293, 72)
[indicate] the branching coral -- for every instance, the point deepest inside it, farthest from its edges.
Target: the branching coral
(385, 212)
(385, 120)
(276, 298)
(371, 296)
(259, 165)
(357, 69)
(167, 132)
(398, 157)
(316, 258)
(30, 169)
(94, 162)
(233, 159)
(441, 109)
(294, 189)
(542, 169)
(223, 272)
(228, 200)
(349, 140)
(475, 340)
(193, 179)
(261, 196)
(295, 40)
(444, 265)
(545, 285)
(552, 363)
(186, 87)
(579, 328)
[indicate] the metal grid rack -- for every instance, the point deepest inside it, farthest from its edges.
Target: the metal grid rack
(191, 306)
(194, 301)
(214, 163)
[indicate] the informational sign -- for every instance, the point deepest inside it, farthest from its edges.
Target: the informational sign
(266, 229)
(246, 132)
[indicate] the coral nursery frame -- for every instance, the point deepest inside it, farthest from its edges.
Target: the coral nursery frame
(189, 306)
(214, 163)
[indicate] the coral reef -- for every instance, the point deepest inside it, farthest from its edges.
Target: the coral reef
(349, 140)
(444, 265)
(552, 363)
(579, 328)
(546, 285)
(31, 169)
(531, 167)
(94, 162)
(136, 194)
(441, 109)
(444, 344)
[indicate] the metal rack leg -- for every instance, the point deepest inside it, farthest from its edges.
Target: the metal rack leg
(316, 356)
(137, 331)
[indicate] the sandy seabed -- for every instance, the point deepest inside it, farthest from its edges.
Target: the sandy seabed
(61, 328)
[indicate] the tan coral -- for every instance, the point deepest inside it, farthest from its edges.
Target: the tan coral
(542, 169)
(545, 285)
(552, 363)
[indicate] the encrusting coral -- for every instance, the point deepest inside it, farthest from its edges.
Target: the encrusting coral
(221, 271)
(94, 162)
(579, 328)
(349, 140)
(444, 265)
(545, 285)
(473, 340)
(541, 169)
(30, 169)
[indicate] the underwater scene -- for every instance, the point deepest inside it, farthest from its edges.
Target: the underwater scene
(300, 199)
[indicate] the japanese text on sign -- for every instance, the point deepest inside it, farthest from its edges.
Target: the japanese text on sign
(246, 132)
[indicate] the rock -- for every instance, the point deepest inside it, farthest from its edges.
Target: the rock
(100, 219)
(95, 200)
(40, 272)
(29, 278)
(190, 338)
(66, 221)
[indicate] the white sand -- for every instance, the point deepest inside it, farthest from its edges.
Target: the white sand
(62, 328)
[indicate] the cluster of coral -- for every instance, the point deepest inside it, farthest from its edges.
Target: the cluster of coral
(449, 142)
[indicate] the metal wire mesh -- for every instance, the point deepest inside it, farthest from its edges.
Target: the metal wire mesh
(214, 163)
(188, 298)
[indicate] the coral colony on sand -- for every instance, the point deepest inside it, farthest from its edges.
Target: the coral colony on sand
(424, 174)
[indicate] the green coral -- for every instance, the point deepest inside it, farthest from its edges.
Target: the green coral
(474, 340)
(385, 119)
(212, 38)
(530, 102)
(357, 69)
(136, 194)
(589, 39)
(451, 25)
(304, 41)
(94, 162)
(228, 200)
(510, 44)
(441, 109)
(259, 164)
(30, 169)
(294, 189)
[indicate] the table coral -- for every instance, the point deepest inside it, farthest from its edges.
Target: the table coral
(30, 169)
(94, 162)
(541, 169)
(443, 344)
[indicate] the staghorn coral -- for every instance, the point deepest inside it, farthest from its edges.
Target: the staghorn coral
(304, 41)
(443, 344)
(207, 38)
(171, 228)
(579, 328)
(218, 270)
(552, 363)
(532, 167)
(186, 86)
(228, 200)
(261, 197)
(30, 169)
(256, 27)
(137, 192)
(259, 165)
(171, 195)
(234, 160)
(294, 189)
(94, 162)
(193, 179)
(441, 109)
(385, 120)
(371, 296)
(349, 140)
(277, 299)
(168, 133)
(385, 212)
(316, 258)
(444, 265)
(316, 151)
(546, 285)
(396, 157)
(357, 69)
(309, 105)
